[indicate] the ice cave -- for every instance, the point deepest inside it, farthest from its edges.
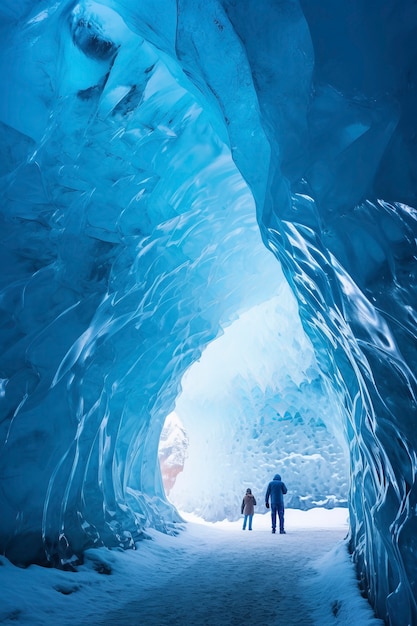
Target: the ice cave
(208, 217)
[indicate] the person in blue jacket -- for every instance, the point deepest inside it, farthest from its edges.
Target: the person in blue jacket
(276, 491)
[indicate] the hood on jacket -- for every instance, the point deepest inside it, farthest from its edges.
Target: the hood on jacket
(277, 477)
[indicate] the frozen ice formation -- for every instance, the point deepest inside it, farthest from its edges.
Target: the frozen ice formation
(169, 168)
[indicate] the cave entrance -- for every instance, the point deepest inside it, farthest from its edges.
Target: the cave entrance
(255, 404)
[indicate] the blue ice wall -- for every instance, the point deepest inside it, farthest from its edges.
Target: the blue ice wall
(347, 242)
(123, 215)
(137, 145)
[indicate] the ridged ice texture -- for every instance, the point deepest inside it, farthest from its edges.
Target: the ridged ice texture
(130, 138)
(125, 223)
(351, 256)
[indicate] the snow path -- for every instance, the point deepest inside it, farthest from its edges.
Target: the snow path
(245, 580)
(209, 574)
(229, 577)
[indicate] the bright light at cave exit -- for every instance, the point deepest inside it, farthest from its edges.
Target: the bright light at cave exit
(253, 405)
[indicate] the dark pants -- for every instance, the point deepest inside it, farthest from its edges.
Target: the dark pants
(276, 508)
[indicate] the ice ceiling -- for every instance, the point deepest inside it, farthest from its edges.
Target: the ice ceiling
(164, 166)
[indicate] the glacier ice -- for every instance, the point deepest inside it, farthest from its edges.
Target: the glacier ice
(156, 162)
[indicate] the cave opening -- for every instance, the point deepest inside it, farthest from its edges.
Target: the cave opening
(255, 404)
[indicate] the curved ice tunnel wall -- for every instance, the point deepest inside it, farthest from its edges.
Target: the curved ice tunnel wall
(133, 141)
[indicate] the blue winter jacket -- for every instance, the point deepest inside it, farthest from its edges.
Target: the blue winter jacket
(276, 490)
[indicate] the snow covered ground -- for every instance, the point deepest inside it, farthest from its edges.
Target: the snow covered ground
(210, 574)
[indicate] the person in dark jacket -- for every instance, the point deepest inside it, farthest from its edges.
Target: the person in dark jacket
(248, 508)
(276, 490)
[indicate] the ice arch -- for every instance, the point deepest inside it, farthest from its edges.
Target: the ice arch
(136, 143)
(255, 403)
